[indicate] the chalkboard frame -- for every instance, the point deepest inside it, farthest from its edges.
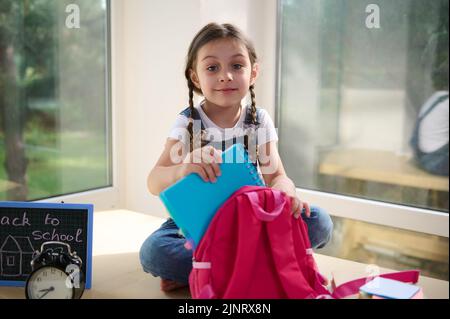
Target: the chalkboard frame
(89, 208)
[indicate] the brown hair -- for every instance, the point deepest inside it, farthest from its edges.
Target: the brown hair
(208, 33)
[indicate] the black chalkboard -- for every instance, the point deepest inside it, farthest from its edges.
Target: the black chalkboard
(24, 227)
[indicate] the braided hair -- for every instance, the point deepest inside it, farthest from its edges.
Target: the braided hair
(254, 121)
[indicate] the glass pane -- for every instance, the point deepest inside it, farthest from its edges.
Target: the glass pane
(388, 247)
(54, 98)
(354, 81)
(351, 95)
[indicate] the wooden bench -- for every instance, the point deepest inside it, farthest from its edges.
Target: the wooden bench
(380, 166)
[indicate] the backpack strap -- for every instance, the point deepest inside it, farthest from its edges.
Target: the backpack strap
(195, 115)
(414, 140)
(248, 188)
(248, 123)
(207, 293)
(260, 213)
(433, 106)
(248, 116)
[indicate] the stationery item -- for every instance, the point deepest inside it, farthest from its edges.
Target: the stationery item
(389, 289)
(192, 202)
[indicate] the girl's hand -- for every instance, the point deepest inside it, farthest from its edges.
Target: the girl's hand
(296, 204)
(203, 161)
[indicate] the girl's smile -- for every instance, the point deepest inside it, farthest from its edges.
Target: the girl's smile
(227, 90)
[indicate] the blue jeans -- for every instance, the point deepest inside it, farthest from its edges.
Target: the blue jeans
(435, 162)
(163, 253)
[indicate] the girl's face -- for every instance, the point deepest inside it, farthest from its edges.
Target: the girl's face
(223, 72)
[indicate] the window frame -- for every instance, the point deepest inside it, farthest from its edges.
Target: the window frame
(377, 212)
(108, 197)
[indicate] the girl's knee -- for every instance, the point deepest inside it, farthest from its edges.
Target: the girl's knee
(325, 220)
(162, 239)
(149, 252)
(323, 228)
(163, 254)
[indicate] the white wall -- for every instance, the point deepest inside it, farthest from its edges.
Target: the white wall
(150, 42)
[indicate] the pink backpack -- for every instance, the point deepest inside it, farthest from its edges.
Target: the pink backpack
(255, 249)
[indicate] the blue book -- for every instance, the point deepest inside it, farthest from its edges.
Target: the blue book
(389, 289)
(192, 202)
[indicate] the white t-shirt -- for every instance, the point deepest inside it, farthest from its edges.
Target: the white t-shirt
(266, 130)
(433, 130)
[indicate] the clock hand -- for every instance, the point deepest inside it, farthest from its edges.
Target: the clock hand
(46, 291)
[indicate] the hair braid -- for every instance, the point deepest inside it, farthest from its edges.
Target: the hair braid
(253, 107)
(253, 113)
(191, 117)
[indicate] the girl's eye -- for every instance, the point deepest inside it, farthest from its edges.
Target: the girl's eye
(212, 68)
(237, 66)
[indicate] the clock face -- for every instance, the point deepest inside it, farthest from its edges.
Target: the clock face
(49, 283)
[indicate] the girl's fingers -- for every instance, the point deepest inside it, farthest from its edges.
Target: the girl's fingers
(206, 155)
(200, 171)
(217, 156)
(211, 155)
(296, 207)
(216, 169)
(307, 209)
(210, 172)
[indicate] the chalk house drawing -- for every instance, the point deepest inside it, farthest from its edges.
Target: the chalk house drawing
(16, 253)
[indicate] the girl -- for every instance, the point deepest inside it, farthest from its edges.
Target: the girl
(222, 67)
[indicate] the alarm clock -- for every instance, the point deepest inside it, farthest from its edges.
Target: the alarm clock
(55, 274)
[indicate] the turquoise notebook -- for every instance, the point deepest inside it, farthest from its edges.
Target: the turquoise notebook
(192, 202)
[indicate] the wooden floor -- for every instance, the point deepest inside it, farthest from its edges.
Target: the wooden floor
(117, 273)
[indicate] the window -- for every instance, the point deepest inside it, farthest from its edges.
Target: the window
(10, 261)
(54, 98)
(354, 78)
